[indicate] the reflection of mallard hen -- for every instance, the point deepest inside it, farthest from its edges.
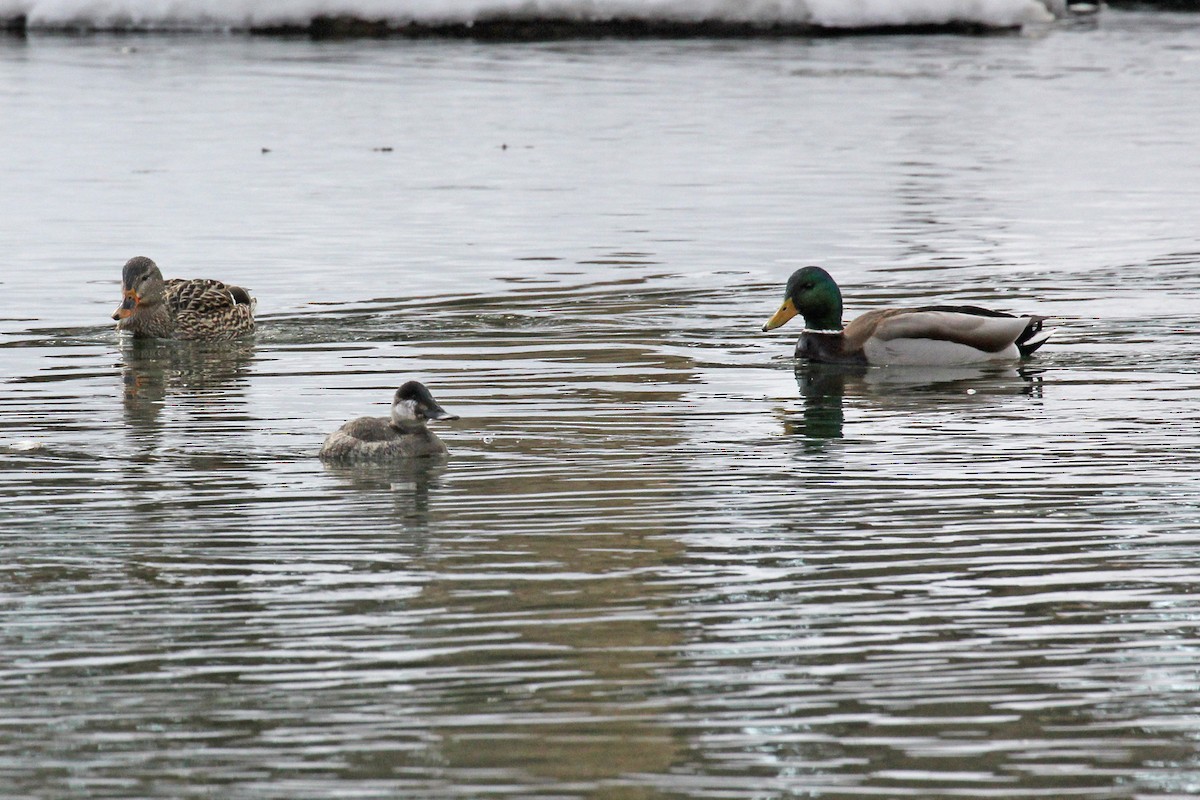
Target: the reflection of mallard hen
(928, 336)
(200, 308)
(401, 436)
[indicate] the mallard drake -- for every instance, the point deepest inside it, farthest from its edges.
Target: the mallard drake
(928, 336)
(200, 308)
(400, 436)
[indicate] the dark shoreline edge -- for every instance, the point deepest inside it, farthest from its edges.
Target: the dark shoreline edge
(514, 29)
(510, 29)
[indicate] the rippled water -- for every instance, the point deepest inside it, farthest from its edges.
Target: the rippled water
(660, 563)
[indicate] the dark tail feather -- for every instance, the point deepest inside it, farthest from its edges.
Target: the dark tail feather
(239, 295)
(1033, 336)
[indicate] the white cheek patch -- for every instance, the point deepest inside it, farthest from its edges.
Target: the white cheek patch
(405, 409)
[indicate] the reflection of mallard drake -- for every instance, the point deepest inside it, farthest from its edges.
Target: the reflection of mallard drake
(200, 308)
(400, 436)
(929, 335)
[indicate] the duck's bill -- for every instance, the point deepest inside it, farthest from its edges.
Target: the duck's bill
(125, 310)
(785, 312)
(437, 412)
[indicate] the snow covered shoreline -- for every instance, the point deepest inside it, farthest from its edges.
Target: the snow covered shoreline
(523, 19)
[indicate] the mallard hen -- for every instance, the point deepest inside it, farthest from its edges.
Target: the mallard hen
(199, 308)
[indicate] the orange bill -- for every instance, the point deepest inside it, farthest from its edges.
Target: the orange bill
(125, 310)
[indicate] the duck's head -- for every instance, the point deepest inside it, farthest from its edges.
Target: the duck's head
(141, 285)
(813, 294)
(413, 404)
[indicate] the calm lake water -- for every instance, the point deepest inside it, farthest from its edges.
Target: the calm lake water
(661, 562)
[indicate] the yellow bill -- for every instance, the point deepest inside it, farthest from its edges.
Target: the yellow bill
(785, 312)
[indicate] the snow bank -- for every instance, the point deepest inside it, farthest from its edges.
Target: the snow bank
(200, 15)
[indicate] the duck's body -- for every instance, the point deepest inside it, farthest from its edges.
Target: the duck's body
(925, 336)
(198, 308)
(377, 439)
(401, 436)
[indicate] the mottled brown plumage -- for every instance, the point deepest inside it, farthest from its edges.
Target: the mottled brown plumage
(199, 308)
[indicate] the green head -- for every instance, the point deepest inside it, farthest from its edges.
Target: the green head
(812, 293)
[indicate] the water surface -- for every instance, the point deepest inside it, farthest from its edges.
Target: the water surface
(661, 562)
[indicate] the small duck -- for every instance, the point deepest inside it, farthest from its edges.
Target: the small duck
(400, 436)
(200, 308)
(926, 336)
